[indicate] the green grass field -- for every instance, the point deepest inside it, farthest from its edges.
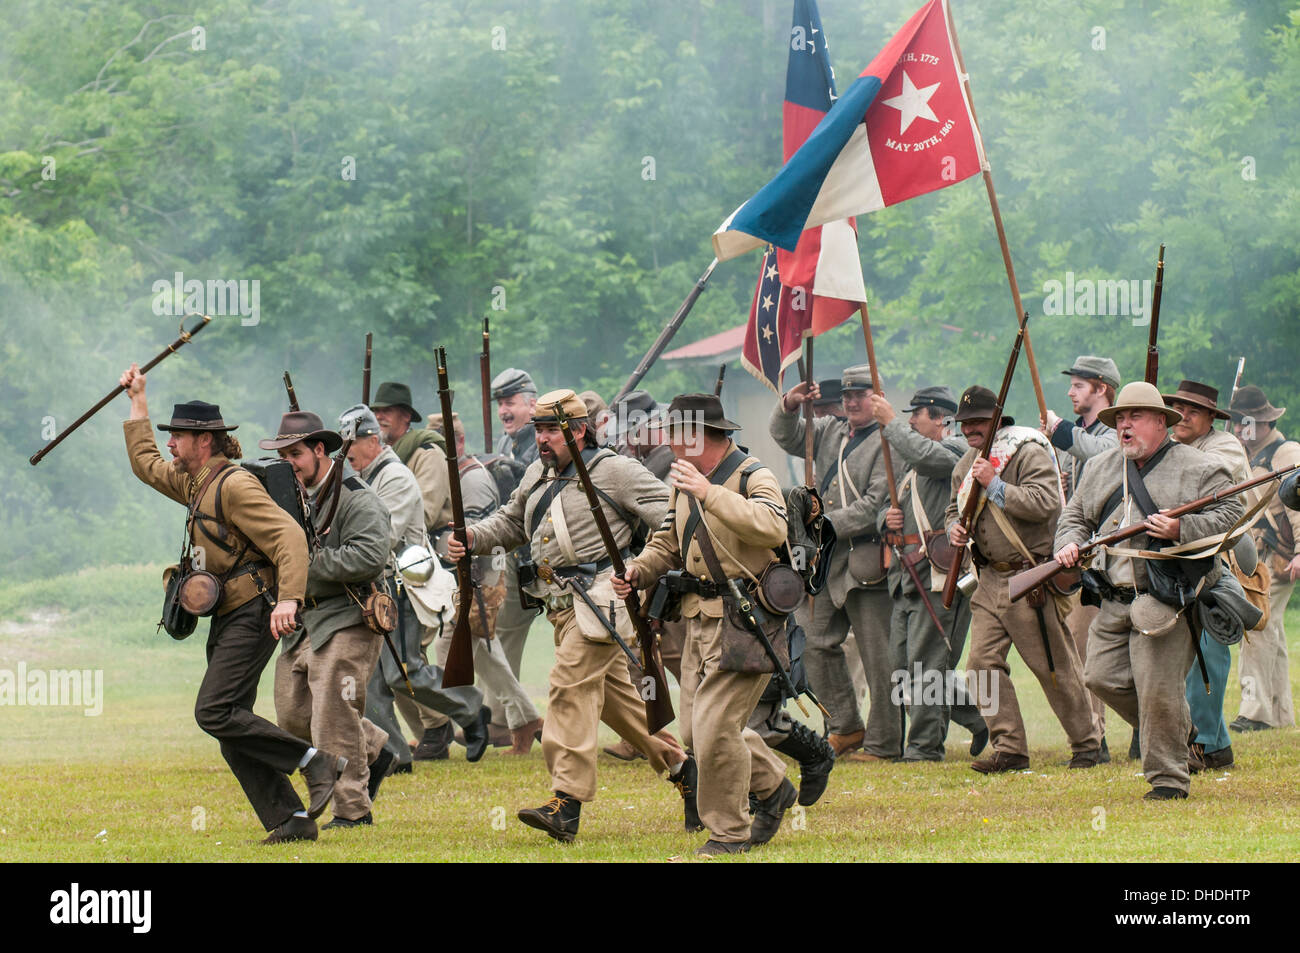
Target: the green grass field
(141, 782)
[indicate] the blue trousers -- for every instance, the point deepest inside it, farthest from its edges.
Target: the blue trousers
(1207, 710)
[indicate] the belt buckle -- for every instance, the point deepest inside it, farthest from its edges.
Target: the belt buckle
(546, 574)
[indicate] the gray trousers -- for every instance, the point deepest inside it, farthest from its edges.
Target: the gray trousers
(461, 705)
(493, 669)
(1265, 672)
(512, 626)
(933, 695)
(868, 612)
(1144, 678)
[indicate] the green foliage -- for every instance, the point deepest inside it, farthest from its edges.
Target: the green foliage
(500, 153)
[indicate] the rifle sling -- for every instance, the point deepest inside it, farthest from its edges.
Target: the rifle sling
(558, 484)
(721, 473)
(858, 439)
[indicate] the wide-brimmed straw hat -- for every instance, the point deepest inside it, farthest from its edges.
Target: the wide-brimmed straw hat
(1138, 395)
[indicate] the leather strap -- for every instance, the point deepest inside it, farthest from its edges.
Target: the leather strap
(846, 448)
(706, 547)
(721, 473)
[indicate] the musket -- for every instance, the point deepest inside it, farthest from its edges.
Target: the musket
(459, 669)
(972, 501)
(1236, 385)
(891, 537)
(665, 336)
(722, 373)
(609, 626)
(485, 379)
(288, 389)
(1023, 582)
(659, 706)
(1153, 349)
(365, 374)
(809, 431)
(184, 338)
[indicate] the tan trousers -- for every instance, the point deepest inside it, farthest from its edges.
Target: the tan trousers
(1265, 671)
(1079, 621)
(1144, 678)
(733, 759)
(589, 684)
(996, 625)
(321, 697)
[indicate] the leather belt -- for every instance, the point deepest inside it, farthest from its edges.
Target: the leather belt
(704, 588)
(581, 569)
(1016, 564)
(311, 602)
(911, 539)
(248, 569)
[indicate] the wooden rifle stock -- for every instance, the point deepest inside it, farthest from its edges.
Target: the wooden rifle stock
(485, 380)
(1153, 348)
(659, 706)
(809, 431)
(460, 659)
(972, 501)
(184, 338)
(1023, 582)
(365, 374)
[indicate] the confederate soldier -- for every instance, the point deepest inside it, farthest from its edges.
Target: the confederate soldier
(516, 397)
(589, 682)
(930, 457)
(422, 452)
(853, 487)
(1265, 675)
(743, 526)
(598, 414)
(1093, 382)
(635, 437)
(323, 668)
(261, 554)
(398, 490)
(1012, 530)
(831, 401)
(1143, 676)
(1199, 405)
(480, 498)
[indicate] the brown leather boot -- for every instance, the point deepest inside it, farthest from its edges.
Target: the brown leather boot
(844, 743)
(522, 738)
(1000, 762)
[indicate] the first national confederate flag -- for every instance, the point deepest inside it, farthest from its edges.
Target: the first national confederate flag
(817, 284)
(904, 128)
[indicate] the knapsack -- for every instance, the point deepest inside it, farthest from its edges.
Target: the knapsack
(281, 484)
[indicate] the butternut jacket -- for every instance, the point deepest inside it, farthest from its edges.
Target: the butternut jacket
(249, 515)
(1032, 504)
(850, 515)
(1278, 452)
(743, 531)
(638, 495)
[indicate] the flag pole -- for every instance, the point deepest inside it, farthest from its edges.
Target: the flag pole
(997, 222)
(808, 415)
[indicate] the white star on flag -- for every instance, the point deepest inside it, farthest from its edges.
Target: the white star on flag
(767, 302)
(771, 272)
(912, 103)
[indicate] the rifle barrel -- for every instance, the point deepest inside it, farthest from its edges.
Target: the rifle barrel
(459, 669)
(184, 338)
(365, 374)
(1022, 583)
(1153, 348)
(485, 381)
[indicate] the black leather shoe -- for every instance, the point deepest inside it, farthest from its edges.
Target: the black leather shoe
(769, 812)
(558, 817)
(979, 741)
(321, 772)
(407, 768)
(1214, 760)
(1242, 723)
(687, 782)
(1135, 748)
(476, 735)
(1164, 794)
(816, 759)
(380, 768)
(434, 744)
(715, 848)
(295, 828)
(1104, 757)
(365, 820)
